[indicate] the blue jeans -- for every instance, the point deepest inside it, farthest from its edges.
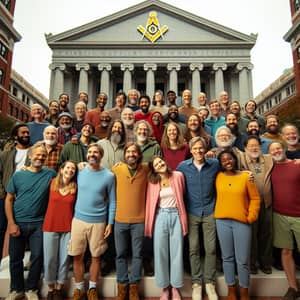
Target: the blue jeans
(235, 242)
(56, 259)
(126, 234)
(31, 233)
(168, 248)
(3, 226)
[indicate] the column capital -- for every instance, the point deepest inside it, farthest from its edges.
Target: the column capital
(54, 66)
(85, 67)
(152, 67)
(106, 67)
(218, 66)
(129, 67)
(195, 66)
(176, 67)
(246, 65)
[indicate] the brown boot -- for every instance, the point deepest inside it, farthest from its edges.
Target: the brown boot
(244, 293)
(122, 292)
(134, 292)
(232, 292)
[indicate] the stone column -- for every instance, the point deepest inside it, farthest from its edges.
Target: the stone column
(150, 80)
(219, 78)
(83, 77)
(105, 80)
(196, 81)
(173, 78)
(127, 76)
(244, 81)
(58, 81)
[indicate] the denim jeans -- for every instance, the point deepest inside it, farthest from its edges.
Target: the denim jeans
(235, 242)
(208, 225)
(168, 248)
(3, 226)
(56, 259)
(31, 233)
(126, 234)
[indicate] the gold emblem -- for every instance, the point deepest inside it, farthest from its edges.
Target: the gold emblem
(152, 31)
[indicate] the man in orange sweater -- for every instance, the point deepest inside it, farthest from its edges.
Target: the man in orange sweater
(131, 178)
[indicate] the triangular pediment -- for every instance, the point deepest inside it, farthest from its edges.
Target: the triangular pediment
(176, 26)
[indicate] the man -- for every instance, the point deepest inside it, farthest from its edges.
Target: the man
(202, 99)
(290, 135)
(11, 161)
(224, 103)
(53, 112)
(174, 116)
(253, 128)
(149, 148)
(113, 145)
(200, 174)
(76, 149)
(215, 120)
(101, 130)
(53, 148)
(127, 117)
(272, 129)
(93, 115)
(80, 112)
(83, 96)
(95, 203)
(236, 109)
(232, 123)
(120, 103)
(286, 212)
(171, 98)
(25, 206)
(131, 177)
(64, 100)
(37, 126)
(260, 166)
(250, 114)
(133, 95)
(187, 109)
(144, 103)
(65, 130)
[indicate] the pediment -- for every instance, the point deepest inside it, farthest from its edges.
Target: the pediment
(178, 27)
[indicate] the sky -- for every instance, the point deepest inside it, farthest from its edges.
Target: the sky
(270, 19)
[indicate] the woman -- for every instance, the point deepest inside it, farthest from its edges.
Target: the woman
(237, 207)
(57, 227)
(174, 148)
(158, 103)
(52, 112)
(166, 220)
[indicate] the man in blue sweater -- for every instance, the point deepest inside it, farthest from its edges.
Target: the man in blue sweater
(95, 203)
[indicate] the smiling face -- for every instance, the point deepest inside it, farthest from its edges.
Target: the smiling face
(227, 162)
(132, 156)
(94, 156)
(38, 157)
(253, 148)
(159, 166)
(277, 151)
(193, 123)
(198, 151)
(290, 135)
(68, 171)
(50, 135)
(172, 132)
(187, 97)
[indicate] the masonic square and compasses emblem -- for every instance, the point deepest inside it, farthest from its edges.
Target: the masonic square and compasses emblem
(153, 31)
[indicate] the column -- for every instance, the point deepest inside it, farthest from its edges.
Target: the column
(105, 80)
(83, 77)
(150, 80)
(58, 81)
(219, 77)
(127, 76)
(244, 81)
(173, 78)
(196, 81)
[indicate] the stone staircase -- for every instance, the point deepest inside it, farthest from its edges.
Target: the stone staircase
(274, 285)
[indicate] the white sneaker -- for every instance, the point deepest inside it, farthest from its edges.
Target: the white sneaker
(32, 295)
(13, 295)
(197, 291)
(211, 291)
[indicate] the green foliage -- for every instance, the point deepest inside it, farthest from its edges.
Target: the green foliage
(6, 124)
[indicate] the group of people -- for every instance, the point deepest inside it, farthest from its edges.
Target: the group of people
(149, 182)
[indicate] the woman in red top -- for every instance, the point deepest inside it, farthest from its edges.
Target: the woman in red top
(57, 227)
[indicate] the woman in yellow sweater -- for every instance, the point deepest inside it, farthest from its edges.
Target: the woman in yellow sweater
(237, 206)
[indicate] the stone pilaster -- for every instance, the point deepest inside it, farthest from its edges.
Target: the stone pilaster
(173, 76)
(150, 79)
(127, 76)
(219, 77)
(244, 70)
(196, 68)
(83, 77)
(58, 80)
(105, 80)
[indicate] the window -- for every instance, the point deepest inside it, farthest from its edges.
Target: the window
(10, 109)
(288, 91)
(3, 50)
(16, 113)
(293, 88)
(296, 4)
(15, 91)
(6, 3)
(1, 76)
(23, 97)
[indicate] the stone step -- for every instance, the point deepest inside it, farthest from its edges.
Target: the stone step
(273, 285)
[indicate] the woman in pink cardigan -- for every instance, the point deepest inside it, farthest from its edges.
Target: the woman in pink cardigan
(166, 220)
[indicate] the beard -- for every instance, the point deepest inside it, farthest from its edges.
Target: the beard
(253, 132)
(115, 138)
(128, 122)
(253, 154)
(141, 138)
(292, 142)
(50, 142)
(24, 141)
(278, 157)
(234, 129)
(145, 109)
(228, 143)
(37, 163)
(131, 161)
(273, 129)
(132, 101)
(93, 161)
(104, 124)
(65, 126)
